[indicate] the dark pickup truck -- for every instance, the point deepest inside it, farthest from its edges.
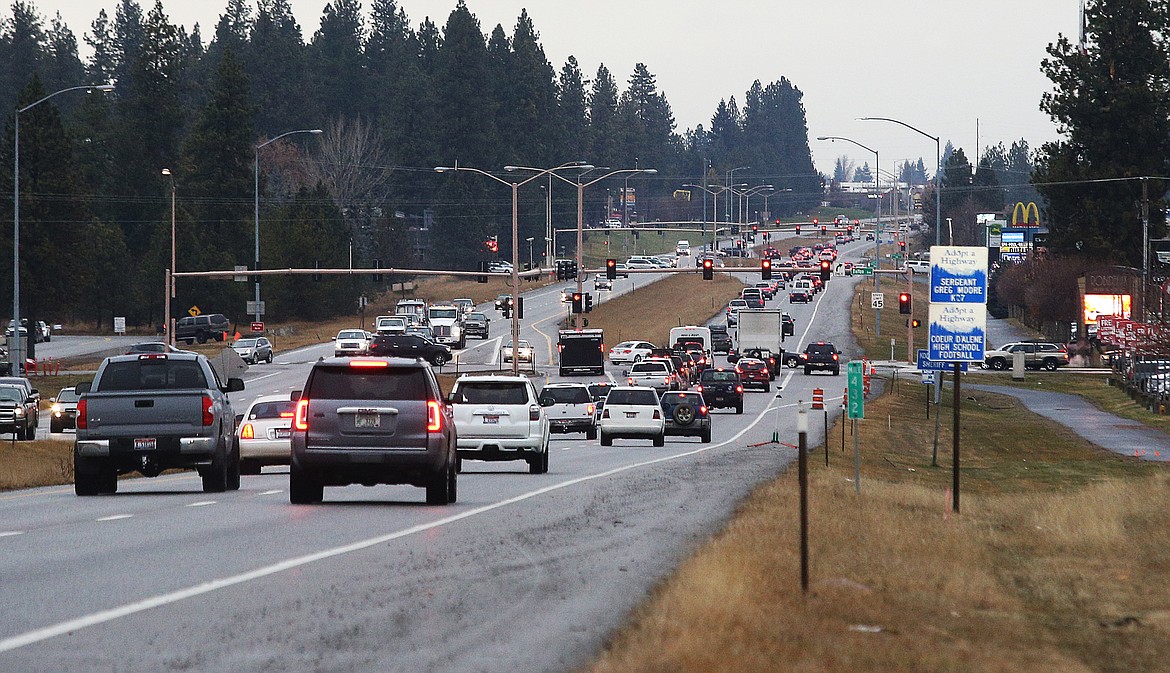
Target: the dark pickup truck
(151, 412)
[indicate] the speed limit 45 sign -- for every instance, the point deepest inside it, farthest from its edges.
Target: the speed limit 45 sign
(877, 300)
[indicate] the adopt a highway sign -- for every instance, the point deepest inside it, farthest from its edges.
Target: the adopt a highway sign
(957, 332)
(958, 274)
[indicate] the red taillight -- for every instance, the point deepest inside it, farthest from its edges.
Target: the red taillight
(739, 389)
(247, 432)
(630, 380)
(368, 363)
(533, 413)
(703, 411)
(592, 409)
(699, 387)
(82, 421)
(834, 356)
(286, 414)
(657, 414)
(434, 416)
(208, 417)
(301, 419)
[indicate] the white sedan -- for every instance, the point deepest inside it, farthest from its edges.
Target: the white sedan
(630, 351)
(265, 433)
(524, 353)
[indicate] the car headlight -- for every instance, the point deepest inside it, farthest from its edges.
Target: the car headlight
(56, 408)
(19, 411)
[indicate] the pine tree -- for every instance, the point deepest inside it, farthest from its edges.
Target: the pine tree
(276, 69)
(337, 62)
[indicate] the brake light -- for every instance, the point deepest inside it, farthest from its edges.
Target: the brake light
(666, 380)
(208, 417)
(368, 363)
(301, 419)
(699, 387)
(247, 432)
(834, 356)
(703, 410)
(82, 421)
(630, 380)
(434, 416)
(286, 414)
(739, 389)
(592, 409)
(533, 413)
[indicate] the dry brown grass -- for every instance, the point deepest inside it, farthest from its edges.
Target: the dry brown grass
(1056, 563)
(649, 312)
(41, 462)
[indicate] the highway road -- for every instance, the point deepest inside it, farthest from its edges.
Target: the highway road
(524, 573)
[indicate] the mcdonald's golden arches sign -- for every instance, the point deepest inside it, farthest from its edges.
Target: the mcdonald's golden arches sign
(1030, 213)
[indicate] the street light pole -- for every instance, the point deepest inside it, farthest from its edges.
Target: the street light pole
(730, 177)
(168, 320)
(256, 183)
(937, 171)
(515, 187)
(877, 236)
(16, 356)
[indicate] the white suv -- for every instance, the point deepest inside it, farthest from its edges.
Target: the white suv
(656, 374)
(632, 412)
(569, 408)
(499, 418)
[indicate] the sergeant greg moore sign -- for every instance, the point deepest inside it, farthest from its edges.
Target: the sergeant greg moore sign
(958, 274)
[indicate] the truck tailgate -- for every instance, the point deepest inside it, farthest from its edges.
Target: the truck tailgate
(148, 412)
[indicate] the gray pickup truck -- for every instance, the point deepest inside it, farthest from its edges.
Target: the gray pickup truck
(150, 412)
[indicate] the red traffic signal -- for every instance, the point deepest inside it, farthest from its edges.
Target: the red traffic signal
(815, 221)
(611, 269)
(578, 303)
(904, 303)
(708, 269)
(798, 230)
(492, 244)
(826, 270)
(765, 269)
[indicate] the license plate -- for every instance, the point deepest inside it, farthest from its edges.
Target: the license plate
(145, 443)
(283, 433)
(491, 420)
(631, 414)
(367, 420)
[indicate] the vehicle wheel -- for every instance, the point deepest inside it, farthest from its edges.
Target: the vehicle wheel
(591, 433)
(739, 408)
(836, 371)
(249, 466)
(215, 476)
(637, 358)
(606, 440)
(684, 414)
(303, 489)
(439, 489)
(439, 359)
(999, 364)
(660, 440)
(86, 476)
(269, 360)
(201, 337)
(233, 468)
(458, 464)
(707, 436)
(1050, 365)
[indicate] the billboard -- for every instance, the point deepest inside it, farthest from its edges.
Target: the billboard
(1106, 305)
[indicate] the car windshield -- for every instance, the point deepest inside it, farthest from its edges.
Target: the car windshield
(367, 383)
(246, 343)
(278, 409)
(492, 392)
(13, 394)
(635, 397)
(68, 395)
(719, 376)
(751, 364)
(821, 349)
(523, 344)
(473, 317)
(352, 334)
(151, 374)
(444, 313)
(566, 395)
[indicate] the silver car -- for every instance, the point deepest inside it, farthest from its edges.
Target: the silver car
(254, 350)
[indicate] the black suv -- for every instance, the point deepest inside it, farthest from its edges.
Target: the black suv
(721, 388)
(410, 346)
(372, 421)
(821, 355)
(720, 339)
(202, 327)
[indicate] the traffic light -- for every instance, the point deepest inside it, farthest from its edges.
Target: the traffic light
(578, 303)
(492, 244)
(611, 269)
(571, 272)
(826, 271)
(588, 302)
(915, 323)
(902, 246)
(507, 308)
(520, 307)
(824, 229)
(735, 230)
(815, 221)
(849, 229)
(798, 230)
(708, 269)
(560, 269)
(766, 269)
(904, 303)
(377, 276)
(755, 228)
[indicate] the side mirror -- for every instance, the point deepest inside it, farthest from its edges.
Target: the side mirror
(83, 387)
(234, 385)
(333, 338)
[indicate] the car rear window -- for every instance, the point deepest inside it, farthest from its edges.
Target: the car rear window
(272, 409)
(599, 390)
(367, 383)
(645, 397)
(492, 392)
(651, 367)
(820, 349)
(751, 365)
(573, 395)
(152, 374)
(679, 398)
(719, 376)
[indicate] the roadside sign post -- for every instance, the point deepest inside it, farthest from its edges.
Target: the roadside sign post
(802, 470)
(855, 373)
(958, 321)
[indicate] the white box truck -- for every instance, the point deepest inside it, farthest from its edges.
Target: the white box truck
(692, 333)
(763, 329)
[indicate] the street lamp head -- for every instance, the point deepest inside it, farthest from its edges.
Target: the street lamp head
(316, 132)
(650, 171)
(166, 171)
(100, 87)
(442, 169)
(511, 168)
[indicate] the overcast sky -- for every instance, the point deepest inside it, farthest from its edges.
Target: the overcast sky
(939, 65)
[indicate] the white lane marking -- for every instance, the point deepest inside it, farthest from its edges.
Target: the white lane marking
(481, 344)
(495, 356)
(262, 377)
(273, 491)
(10, 533)
(115, 517)
(103, 616)
(202, 503)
